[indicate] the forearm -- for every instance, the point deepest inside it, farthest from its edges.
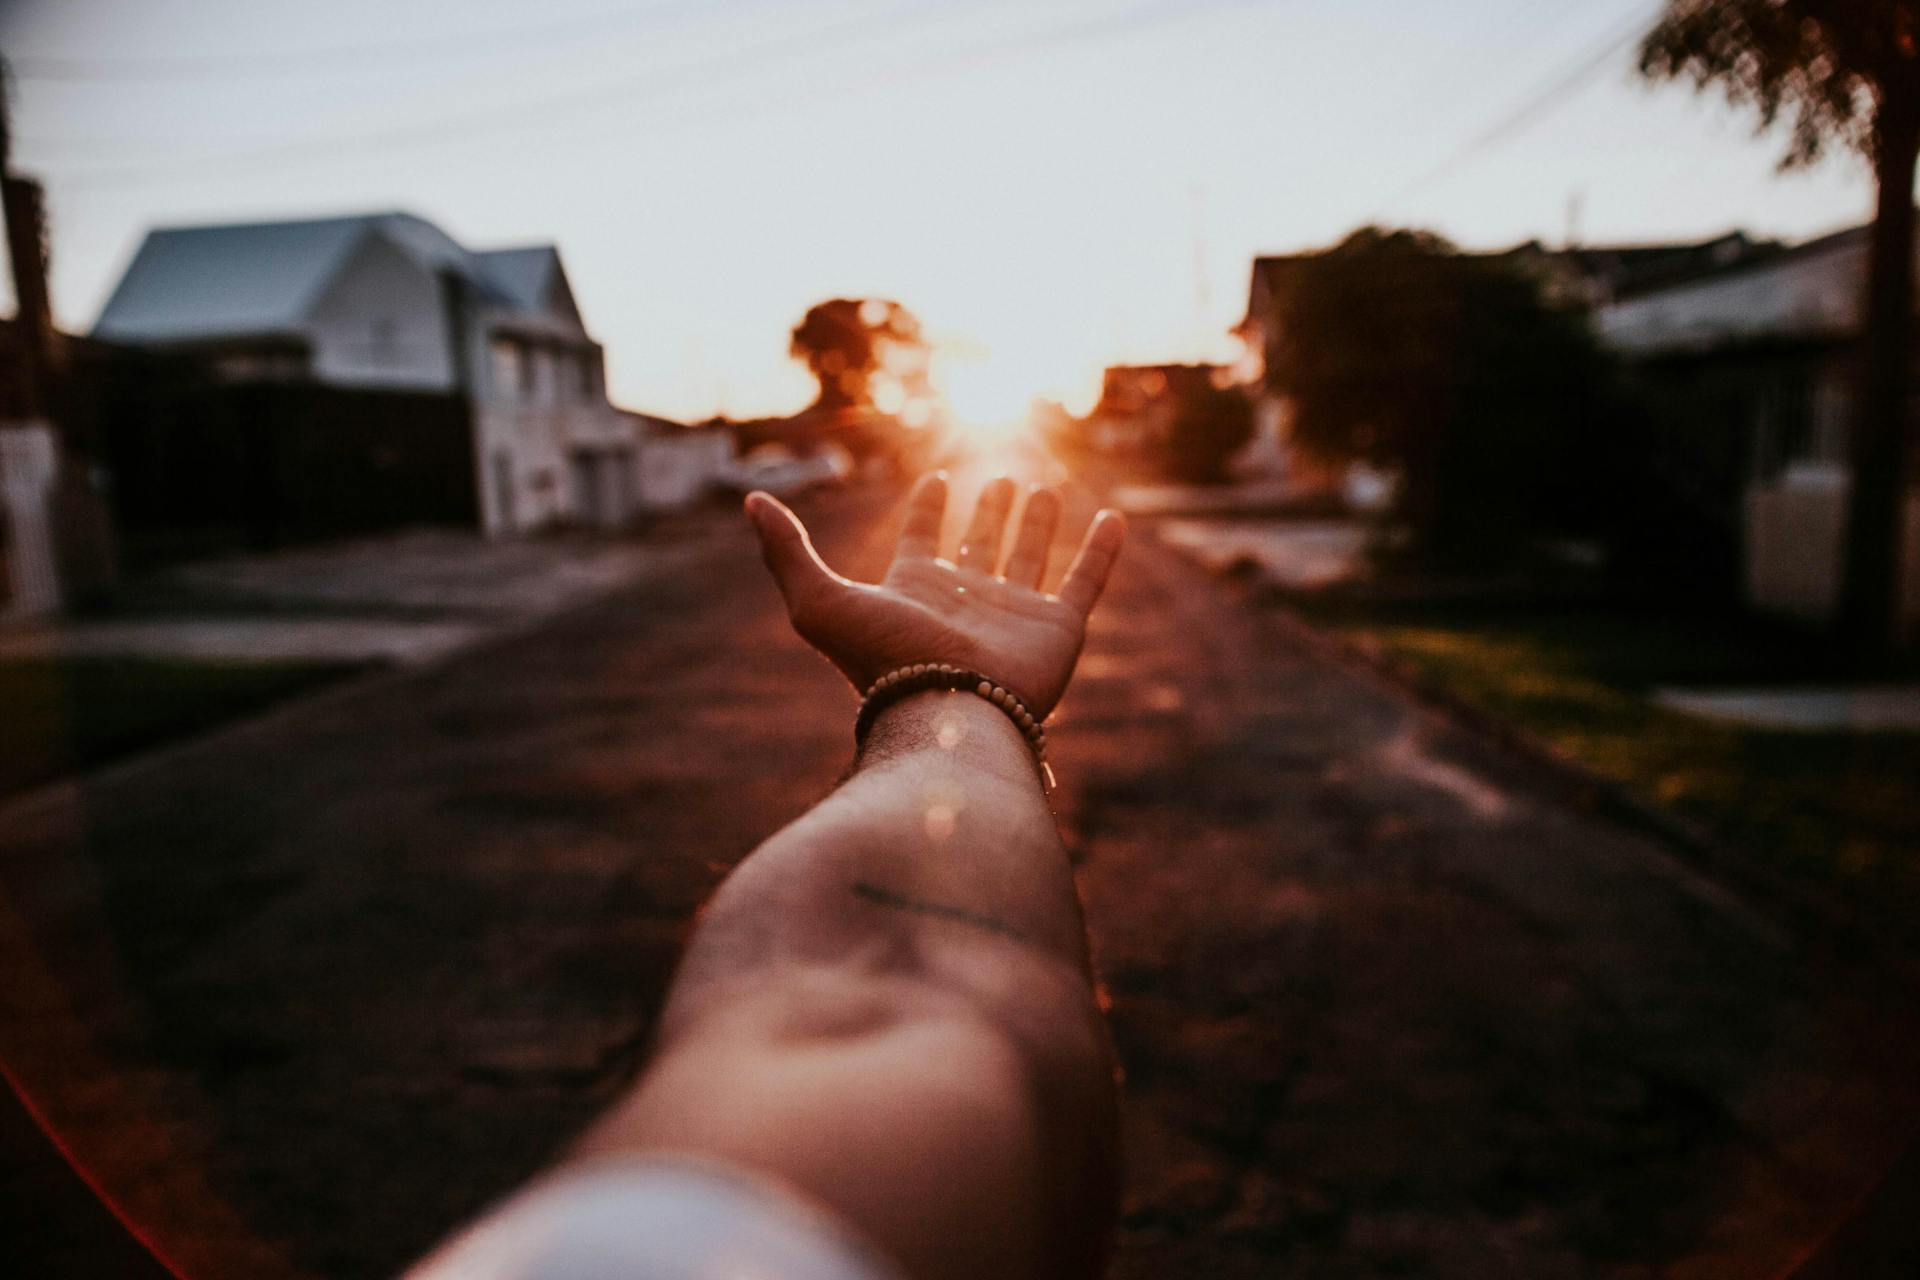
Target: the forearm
(888, 1005)
(940, 837)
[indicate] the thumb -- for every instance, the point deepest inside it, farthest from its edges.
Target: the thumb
(797, 568)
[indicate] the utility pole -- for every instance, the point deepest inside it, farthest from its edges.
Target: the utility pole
(1202, 294)
(1576, 214)
(75, 527)
(25, 211)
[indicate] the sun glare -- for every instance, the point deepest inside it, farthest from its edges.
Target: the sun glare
(991, 397)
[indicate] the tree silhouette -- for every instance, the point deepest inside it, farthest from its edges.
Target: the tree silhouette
(1846, 73)
(866, 354)
(1493, 407)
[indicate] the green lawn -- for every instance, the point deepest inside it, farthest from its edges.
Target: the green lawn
(1837, 809)
(63, 715)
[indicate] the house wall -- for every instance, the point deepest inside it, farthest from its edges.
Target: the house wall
(1753, 439)
(588, 463)
(602, 482)
(1796, 528)
(524, 467)
(382, 323)
(550, 447)
(676, 470)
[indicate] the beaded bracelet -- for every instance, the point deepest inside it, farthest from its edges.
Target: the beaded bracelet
(923, 676)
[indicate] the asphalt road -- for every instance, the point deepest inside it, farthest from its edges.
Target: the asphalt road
(302, 996)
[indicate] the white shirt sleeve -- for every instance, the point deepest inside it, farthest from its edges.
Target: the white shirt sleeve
(655, 1220)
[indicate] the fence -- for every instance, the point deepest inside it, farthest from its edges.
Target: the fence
(198, 469)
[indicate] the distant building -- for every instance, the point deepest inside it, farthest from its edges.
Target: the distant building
(1138, 403)
(1757, 360)
(679, 464)
(389, 302)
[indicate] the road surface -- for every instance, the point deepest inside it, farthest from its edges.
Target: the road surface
(304, 995)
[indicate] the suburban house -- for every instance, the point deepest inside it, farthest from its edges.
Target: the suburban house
(1759, 359)
(1752, 347)
(389, 303)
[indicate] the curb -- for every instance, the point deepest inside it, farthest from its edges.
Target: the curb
(1807, 909)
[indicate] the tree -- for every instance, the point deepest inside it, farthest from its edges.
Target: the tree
(1492, 406)
(1847, 73)
(866, 354)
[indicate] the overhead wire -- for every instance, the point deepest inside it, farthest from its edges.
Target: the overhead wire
(728, 65)
(1537, 103)
(731, 66)
(275, 63)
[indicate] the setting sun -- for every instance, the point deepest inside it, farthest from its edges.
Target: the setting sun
(991, 396)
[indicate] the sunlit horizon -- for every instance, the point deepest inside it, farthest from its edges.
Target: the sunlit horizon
(1049, 188)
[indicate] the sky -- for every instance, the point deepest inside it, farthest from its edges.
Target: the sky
(1050, 185)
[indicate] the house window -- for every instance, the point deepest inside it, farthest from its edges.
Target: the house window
(588, 365)
(1832, 418)
(1786, 419)
(509, 368)
(533, 363)
(503, 491)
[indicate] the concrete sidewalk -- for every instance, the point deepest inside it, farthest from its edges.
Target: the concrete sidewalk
(1855, 708)
(409, 598)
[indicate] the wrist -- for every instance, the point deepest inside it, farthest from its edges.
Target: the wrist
(942, 676)
(962, 727)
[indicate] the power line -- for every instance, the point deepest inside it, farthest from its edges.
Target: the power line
(1536, 104)
(733, 65)
(274, 63)
(1080, 31)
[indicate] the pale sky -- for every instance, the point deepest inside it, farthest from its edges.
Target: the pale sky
(1051, 185)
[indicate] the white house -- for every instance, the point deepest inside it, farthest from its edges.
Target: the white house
(389, 301)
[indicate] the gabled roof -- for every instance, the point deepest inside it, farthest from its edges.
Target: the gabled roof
(1625, 269)
(256, 279)
(1811, 292)
(524, 275)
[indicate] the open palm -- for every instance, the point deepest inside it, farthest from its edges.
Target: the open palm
(973, 611)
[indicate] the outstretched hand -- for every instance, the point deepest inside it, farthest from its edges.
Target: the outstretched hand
(974, 611)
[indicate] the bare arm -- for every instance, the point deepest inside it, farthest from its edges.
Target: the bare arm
(888, 1005)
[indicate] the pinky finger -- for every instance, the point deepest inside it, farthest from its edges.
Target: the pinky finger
(1087, 577)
